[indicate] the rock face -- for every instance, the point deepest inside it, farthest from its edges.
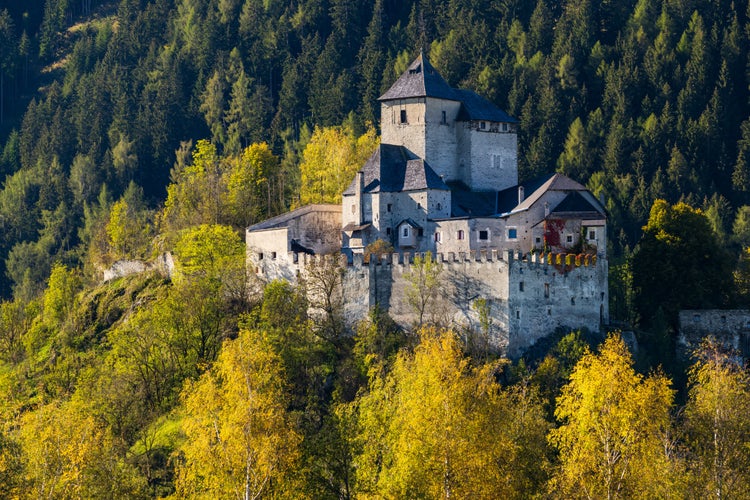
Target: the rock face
(163, 264)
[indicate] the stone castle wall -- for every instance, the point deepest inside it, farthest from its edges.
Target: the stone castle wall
(528, 296)
(729, 327)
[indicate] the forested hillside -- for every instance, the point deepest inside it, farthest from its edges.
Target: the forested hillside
(641, 100)
(133, 128)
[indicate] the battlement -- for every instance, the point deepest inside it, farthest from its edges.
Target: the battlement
(529, 294)
(563, 261)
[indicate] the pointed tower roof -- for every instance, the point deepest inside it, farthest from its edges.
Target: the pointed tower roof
(420, 79)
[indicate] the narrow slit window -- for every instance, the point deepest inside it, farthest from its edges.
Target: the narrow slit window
(403, 116)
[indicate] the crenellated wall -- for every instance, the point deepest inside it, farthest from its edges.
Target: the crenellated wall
(529, 296)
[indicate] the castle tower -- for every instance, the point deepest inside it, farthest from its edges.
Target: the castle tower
(461, 135)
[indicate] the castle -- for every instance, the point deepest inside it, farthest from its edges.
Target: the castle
(445, 180)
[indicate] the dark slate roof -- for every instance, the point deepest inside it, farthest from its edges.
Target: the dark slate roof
(411, 222)
(420, 79)
(394, 168)
(466, 203)
(576, 202)
(476, 107)
(507, 199)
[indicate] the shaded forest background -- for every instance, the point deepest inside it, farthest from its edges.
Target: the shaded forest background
(639, 99)
(137, 127)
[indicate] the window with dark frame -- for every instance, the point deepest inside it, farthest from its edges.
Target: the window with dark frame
(484, 235)
(389, 207)
(403, 116)
(460, 234)
(405, 232)
(444, 119)
(512, 233)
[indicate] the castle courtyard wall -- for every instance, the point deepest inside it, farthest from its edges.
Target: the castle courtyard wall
(556, 292)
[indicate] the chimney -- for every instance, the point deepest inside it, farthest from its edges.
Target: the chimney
(358, 188)
(520, 194)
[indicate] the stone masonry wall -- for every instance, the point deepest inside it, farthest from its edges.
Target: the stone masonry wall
(556, 291)
(729, 327)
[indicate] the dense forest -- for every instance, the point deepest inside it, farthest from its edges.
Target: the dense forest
(133, 128)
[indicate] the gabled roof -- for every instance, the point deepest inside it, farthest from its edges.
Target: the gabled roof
(420, 80)
(535, 190)
(283, 220)
(410, 222)
(394, 168)
(476, 107)
(578, 203)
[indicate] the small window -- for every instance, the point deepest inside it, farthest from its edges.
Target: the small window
(405, 232)
(460, 234)
(438, 237)
(389, 207)
(260, 256)
(592, 234)
(482, 125)
(546, 290)
(724, 319)
(403, 116)
(569, 238)
(354, 209)
(505, 127)
(420, 232)
(439, 206)
(572, 301)
(518, 314)
(512, 233)
(520, 286)
(419, 206)
(273, 255)
(538, 240)
(484, 235)
(549, 312)
(444, 120)
(388, 231)
(696, 317)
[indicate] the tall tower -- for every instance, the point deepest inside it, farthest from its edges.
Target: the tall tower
(461, 135)
(418, 112)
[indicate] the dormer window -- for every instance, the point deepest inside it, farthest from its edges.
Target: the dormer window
(505, 127)
(403, 116)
